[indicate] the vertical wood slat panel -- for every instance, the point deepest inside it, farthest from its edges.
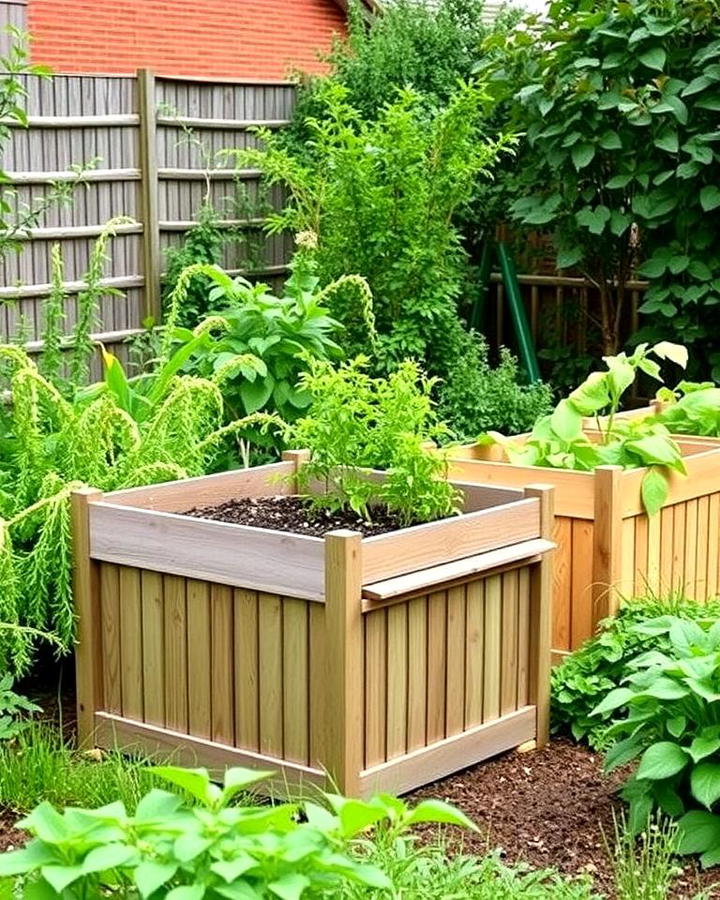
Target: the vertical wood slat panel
(493, 638)
(510, 638)
(200, 649)
(562, 583)
(153, 648)
(270, 668)
(667, 523)
(523, 629)
(628, 567)
(654, 545)
(247, 708)
(131, 656)
(397, 679)
(417, 673)
(176, 699)
(296, 683)
(702, 552)
(678, 548)
(474, 652)
(689, 578)
(581, 619)
(713, 576)
(455, 681)
(110, 612)
(317, 642)
(640, 573)
(221, 664)
(437, 665)
(376, 655)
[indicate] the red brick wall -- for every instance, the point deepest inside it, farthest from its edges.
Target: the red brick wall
(209, 38)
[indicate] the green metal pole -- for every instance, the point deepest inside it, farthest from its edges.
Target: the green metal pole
(526, 348)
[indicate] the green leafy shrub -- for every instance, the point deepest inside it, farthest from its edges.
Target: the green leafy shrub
(481, 398)
(211, 846)
(560, 441)
(379, 198)
(619, 105)
(672, 699)
(356, 421)
(602, 663)
(12, 709)
(691, 409)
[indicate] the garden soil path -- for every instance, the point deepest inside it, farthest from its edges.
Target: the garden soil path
(548, 808)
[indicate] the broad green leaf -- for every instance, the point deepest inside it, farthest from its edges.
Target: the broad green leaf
(569, 257)
(668, 141)
(186, 892)
(150, 876)
(662, 760)
(289, 887)
(676, 726)
(239, 779)
(61, 877)
(615, 699)
(654, 58)
(566, 421)
(232, 869)
(439, 811)
(665, 689)
(654, 490)
(699, 832)
(110, 856)
(582, 155)
(705, 783)
(709, 197)
(195, 781)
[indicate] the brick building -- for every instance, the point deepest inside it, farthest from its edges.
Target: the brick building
(254, 39)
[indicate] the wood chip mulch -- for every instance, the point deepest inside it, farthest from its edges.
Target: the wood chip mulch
(548, 808)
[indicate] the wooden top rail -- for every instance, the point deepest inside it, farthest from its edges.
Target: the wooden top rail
(167, 174)
(563, 281)
(220, 124)
(74, 231)
(424, 579)
(118, 120)
(67, 175)
(21, 291)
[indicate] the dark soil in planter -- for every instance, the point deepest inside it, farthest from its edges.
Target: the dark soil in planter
(548, 808)
(296, 515)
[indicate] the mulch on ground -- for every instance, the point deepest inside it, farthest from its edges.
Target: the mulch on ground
(548, 808)
(294, 514)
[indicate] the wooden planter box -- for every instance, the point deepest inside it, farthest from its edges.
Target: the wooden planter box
(386, 662)
(608, 547)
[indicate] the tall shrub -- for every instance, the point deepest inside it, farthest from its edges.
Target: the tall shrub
(619, 105)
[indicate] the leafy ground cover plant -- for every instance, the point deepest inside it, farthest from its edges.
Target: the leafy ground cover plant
(560, 440)
(691, 408)
(672, 700)
(211, 846)
(356, 421)
(602, 663)
(13, 709)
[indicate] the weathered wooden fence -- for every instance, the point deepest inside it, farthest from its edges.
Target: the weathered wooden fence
(154, 144)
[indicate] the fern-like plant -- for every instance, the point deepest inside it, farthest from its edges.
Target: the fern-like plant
(50, 445)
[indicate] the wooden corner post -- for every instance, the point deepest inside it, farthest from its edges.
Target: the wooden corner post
(607, 541)
(298, 457)
(343, 618)
(88, 657)
(541, 589)
(152, 258)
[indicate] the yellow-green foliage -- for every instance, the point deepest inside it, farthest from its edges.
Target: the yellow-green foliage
(48, 446)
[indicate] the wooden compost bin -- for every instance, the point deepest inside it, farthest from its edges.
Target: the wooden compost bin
(607, 546)
(386, 662)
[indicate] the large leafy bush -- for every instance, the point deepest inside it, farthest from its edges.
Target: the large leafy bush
(602, 663)
(691, 409)
(619, 104)
(672, 697)
(379, 198)
(209, 845)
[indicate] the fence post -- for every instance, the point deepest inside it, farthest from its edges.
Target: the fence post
(149, 192)
(607, 541)
(343, 634)
(541, 593)
(88, 653)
